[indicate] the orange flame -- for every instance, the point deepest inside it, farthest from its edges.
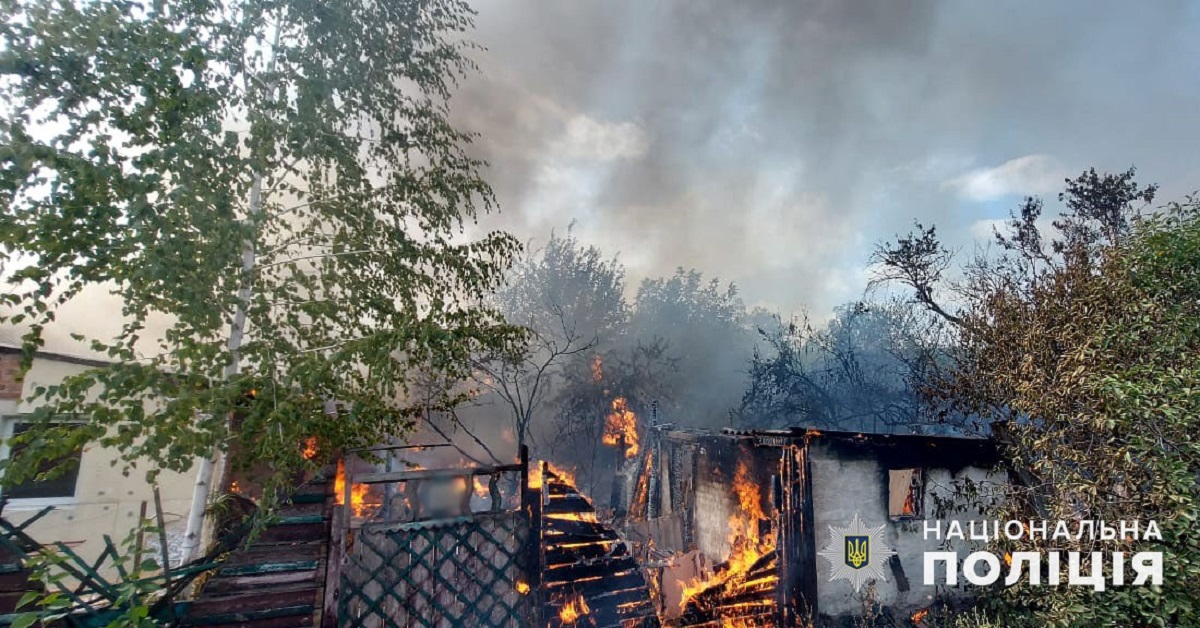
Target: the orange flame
(522, 587)
(746, 543)
(535, 474)
(573, 609)
(920, 616)
(310, 448)
(358, 492)
(563, 474)
(641, 495)
(597, 370)
(621, 421)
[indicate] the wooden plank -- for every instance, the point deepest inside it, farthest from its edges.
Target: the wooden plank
(298, 519)
(231, 585)
(303, 508)
(429, 474)
(586, 569)
(311, 550)
(293, 533)
(254, 602)
(308, 498)
(14, 581)
(567, 504)
(269, 567)
(619, 597)
(581, 531)
(598, 586)
(251, 618)
(564, 555)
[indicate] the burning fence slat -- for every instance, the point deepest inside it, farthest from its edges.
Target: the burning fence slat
(589, 577)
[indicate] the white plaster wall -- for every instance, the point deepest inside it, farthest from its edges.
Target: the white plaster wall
(844, 487)
(714, 505)
(105, 501)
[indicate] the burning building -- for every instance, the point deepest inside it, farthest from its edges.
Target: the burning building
(757, 510)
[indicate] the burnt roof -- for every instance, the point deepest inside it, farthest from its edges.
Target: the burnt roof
(900, 449)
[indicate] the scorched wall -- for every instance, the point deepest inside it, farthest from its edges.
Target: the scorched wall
(845, 484)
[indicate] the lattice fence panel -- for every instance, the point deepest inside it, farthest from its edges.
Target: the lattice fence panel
(439, 574)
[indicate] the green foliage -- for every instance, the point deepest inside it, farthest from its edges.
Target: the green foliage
(1088, 358)
(274, 191)
(130, 599)
(1117, 415)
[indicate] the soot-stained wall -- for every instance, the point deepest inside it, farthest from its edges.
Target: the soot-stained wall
(848, 482)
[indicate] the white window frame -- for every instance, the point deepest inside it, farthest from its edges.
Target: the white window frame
(7, 423)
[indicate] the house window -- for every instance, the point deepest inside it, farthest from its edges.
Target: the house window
(59, 487)
(906, 492)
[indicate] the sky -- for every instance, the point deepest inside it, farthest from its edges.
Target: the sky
(772, 144)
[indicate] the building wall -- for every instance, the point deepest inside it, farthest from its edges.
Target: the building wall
(714, 505)
(11, 383)
(844, 486)
(105, 501)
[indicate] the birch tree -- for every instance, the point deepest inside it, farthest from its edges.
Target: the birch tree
(277, 179)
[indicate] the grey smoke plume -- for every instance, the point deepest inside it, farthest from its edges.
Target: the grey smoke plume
(772, 143)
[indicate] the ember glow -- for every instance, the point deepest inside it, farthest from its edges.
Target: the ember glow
(597, 370)
(310, 448)
(574, 608)
(358, 493)
(621, 422)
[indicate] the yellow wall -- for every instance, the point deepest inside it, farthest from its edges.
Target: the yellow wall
(105, 501)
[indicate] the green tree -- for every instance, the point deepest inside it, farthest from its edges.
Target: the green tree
(279, 180)
(1087, 357)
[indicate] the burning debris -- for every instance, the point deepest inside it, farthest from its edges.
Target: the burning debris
(743, 591)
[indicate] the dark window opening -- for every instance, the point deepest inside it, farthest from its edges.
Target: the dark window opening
(62, 485)
(906, 492)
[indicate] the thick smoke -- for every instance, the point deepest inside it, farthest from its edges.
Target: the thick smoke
(771, 143)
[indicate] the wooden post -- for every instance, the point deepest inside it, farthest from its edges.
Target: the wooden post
(616, 501)
(166, 555)
(797, 542)
(531, 563)
(141, 537)
(333, 564)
